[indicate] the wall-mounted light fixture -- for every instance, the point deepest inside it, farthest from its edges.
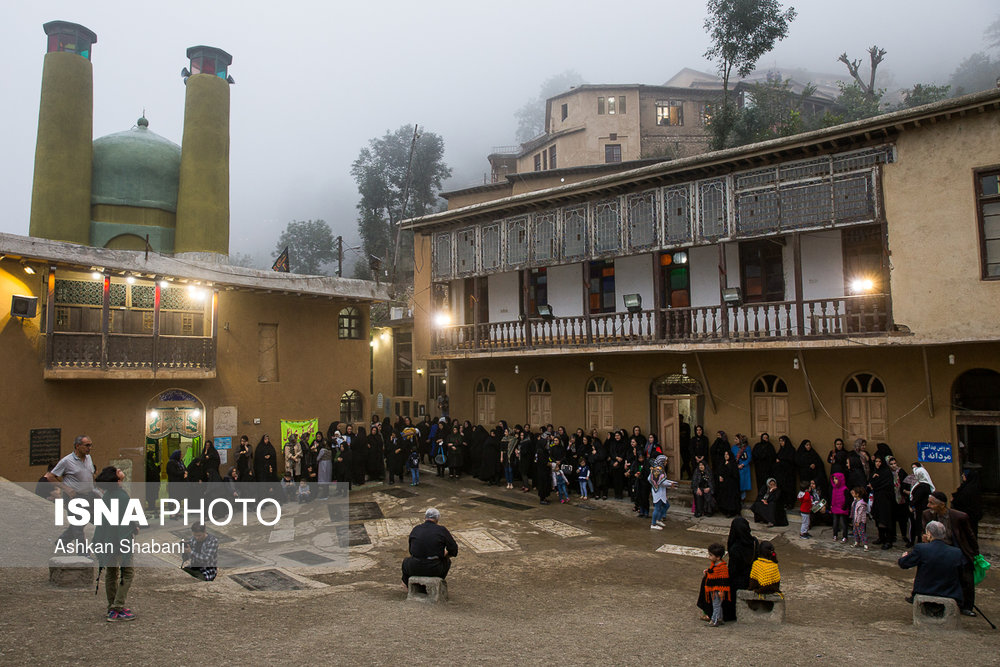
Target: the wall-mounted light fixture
(591, 366)
(633, 302)
(795, 363)
(732, 296)
(951, 359)
(29, 269)
(545, 311)
(684, 369)
(516, 369)
(420, 371)
(442, 318)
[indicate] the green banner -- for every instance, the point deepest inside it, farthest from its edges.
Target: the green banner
(297, 427)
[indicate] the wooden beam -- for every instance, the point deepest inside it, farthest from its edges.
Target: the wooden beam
(105, 316)
(800, 316)
(708, 387)
(927, 383)
(809, 390)
(50, 316)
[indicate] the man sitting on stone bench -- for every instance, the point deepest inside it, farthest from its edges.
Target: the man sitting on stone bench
(431, 549)
(939, 566)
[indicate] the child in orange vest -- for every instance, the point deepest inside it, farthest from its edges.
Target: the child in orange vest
(717, 582)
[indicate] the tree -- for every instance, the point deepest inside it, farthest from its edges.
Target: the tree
(923, 93)
(741, 32)
(393, 188)
(531, 116)
(992, 34)
(975, 73)
(242, 259)
(310, 246)
(771, 110)
(875, 56)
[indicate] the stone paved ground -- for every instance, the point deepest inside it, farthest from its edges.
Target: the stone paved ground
(580, 583)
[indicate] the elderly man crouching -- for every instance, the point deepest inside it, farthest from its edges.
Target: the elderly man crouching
(431, 549)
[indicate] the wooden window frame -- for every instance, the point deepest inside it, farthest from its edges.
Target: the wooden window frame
(981, 200)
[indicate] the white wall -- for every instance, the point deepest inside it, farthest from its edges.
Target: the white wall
(822, 265)
(504, 296)
(632, 275)
(456, 292)
(565, 290)
(788, 268)
(704, 273)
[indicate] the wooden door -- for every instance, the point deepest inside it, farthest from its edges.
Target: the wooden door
(486, 409)
(601, 412)
(670, 436)
(539, 408)
(865, 417)
(770, 414)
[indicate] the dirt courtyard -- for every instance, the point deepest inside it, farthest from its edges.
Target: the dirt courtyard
(581, 583)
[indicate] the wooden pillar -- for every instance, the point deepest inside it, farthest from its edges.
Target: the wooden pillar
(475, 312)
(927, 383)
(585, 273)
(156, 324)
(105, 317)
(657, 298)
(800, 316)
(722, 286)
(526, 305)
(50, 316)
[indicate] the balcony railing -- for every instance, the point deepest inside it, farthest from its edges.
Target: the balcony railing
(85, 351)
(819, 318)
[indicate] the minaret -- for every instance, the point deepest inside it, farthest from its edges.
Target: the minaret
(60, 194)
(202, 230)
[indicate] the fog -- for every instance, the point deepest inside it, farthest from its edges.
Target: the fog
(316, 80)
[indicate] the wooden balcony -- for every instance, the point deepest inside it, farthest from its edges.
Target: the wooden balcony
(128, 356)
(840, 317)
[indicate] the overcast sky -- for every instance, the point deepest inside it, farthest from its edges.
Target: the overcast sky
(316, 80)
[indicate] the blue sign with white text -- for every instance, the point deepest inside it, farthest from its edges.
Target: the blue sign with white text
(227, 443)
(934, 452)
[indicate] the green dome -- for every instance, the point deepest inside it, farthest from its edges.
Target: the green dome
(136, 168)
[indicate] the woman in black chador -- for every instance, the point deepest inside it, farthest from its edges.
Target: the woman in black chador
(727, 486)
(784, 471)
(769, 507)
(742, 547)
(764, 459)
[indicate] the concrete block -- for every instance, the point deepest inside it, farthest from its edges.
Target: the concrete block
(71, 571)
(754, 608)
(428, 589)
(935, 612)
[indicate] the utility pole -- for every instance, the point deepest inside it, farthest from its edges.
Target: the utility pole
(340, 256)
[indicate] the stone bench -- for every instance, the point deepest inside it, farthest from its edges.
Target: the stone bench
(71, 571)
(428, 589)
(755, 608)
(935, 612)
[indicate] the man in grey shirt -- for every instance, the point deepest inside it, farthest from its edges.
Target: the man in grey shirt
(74, 474)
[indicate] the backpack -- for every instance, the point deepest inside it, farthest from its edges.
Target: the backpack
(414, 460)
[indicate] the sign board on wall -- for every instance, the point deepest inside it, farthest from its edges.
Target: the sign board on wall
(224, 421)
(223, 442)
(44, 446)
(934, 452)
(380, 401)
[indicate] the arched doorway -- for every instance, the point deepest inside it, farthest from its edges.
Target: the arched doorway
(865, 408)
(676, 406)
(975, 400)
(175, 419)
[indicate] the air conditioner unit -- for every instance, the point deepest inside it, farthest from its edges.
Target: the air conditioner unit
(396, 313)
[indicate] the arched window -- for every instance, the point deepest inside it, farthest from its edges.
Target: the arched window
(351, 407)
(770, 405)
(350, 323)
(865, 410)
(486, 402)
(600, 405)
(539, 402)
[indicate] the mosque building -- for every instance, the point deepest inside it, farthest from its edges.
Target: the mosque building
(127, 323)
